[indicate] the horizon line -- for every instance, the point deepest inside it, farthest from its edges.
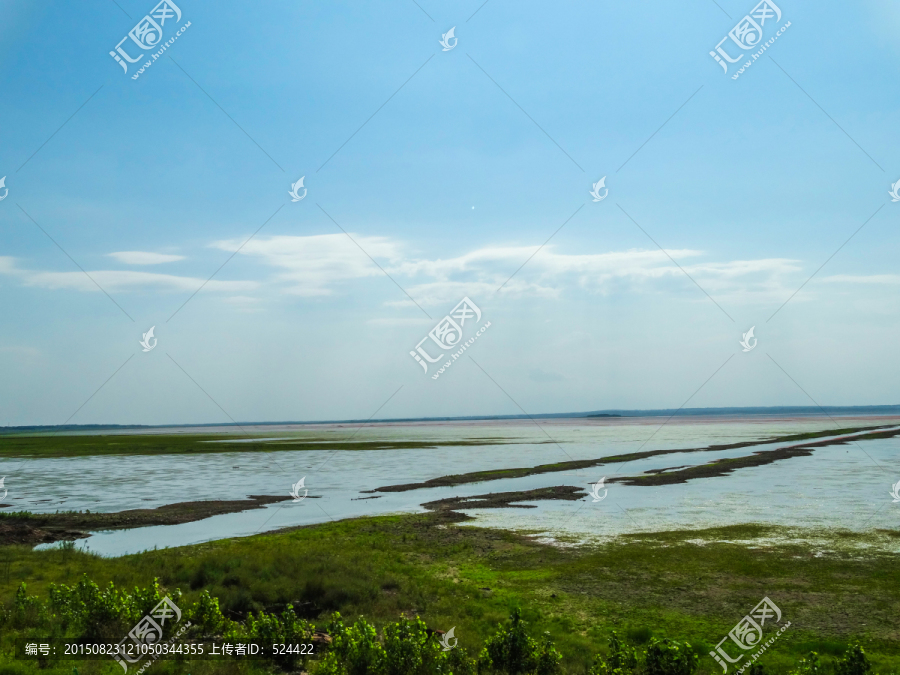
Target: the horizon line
(613, 413)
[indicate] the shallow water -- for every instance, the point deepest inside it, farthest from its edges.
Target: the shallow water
(838, 486)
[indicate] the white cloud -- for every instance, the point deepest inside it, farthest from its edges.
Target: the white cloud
(863, 279)
(7, 265)
(131, 281)
(546, 262)
(548, 273)
(316, 265)
(116, 280)
(144, 257)
(320, 265)
(310, 266)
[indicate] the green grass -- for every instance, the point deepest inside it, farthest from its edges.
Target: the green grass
(83, 445)
(100, 443)
(657, 585)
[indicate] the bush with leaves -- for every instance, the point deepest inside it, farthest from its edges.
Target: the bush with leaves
(206, 615)
(406, 648)
(513, 651)
(668, 657)
(460, 663)
(271, 629)
(27, 611)
(809, 666)
(103, 614)
(548, 657)
(854, 662)
(621, 659)
(409, 649)
(354, 650)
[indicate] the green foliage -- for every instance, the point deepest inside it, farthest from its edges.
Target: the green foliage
(406, 648)
(354, 650)
(854, 662)
(548, 657)
(621, 659)
(271, 629)
(668, 657)
(410, 650)
(206, 615)
(663, 657)
(379, 567)
(27, 610)
(809, 666)
(103, 614)
(513, 651)
(87, 611)
(460, 663)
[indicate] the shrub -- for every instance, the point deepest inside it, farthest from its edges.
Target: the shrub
(511, 650)
(410, 650)
(354, 650)
(271, 629)
(406, 648)
(460, 663)
(100, 614)
(548, 658)
(854, 662)
(206, 615)
(621, 659)
(809, 666)
(668, 657)
(106, 614)
(27, 610)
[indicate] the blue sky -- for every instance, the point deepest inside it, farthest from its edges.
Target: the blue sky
(452, 182)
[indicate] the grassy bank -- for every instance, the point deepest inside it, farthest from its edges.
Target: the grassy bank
(692, 586)
(42, 528)
(83, 445)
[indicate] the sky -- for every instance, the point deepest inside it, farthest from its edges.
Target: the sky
(161, 198)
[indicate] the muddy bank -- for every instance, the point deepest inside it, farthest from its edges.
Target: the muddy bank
(721, 467)
(45, 528)
(717, 468)
(449, 508)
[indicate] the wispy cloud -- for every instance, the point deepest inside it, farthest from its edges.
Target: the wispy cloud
(144, 257)
(892, 279)
(322, 265)
(314, 265)
(552, 272)
(117, 280)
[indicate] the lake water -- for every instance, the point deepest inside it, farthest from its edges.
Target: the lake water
(836, 487)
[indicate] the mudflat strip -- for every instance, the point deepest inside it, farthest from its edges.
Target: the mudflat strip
(722, 467)
(449, 508)
(666, 476)
(44, 528)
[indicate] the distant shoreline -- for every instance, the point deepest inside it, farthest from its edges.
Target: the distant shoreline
(777, 411)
